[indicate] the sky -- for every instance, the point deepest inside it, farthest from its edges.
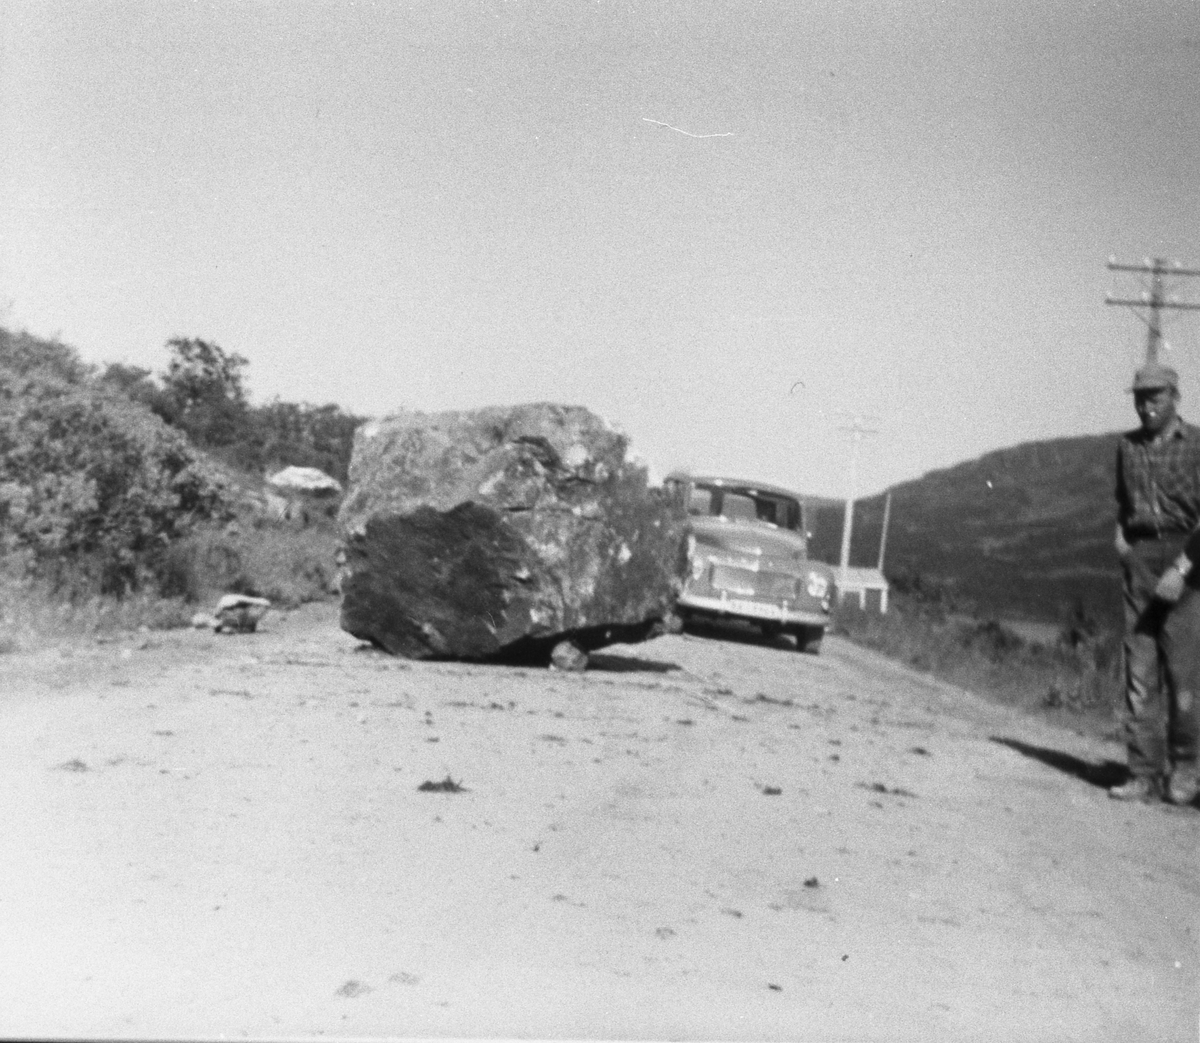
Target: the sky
(735, 229)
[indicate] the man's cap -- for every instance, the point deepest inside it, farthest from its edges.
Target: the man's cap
(1153, 376)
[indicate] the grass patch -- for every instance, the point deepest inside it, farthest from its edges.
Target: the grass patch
(288, 565)
(35, 615)
(1075, 679)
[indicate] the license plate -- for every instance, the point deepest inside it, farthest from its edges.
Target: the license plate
(752, 608)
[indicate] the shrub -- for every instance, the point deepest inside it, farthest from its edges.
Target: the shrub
(24, 355)
(990, 640)
(924, 595)
(93, 487)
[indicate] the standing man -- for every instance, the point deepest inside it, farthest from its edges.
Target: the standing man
(1158, 540)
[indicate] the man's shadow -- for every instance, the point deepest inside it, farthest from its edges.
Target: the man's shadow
(1105, 775)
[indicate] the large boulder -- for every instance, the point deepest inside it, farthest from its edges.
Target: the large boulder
(503, 531)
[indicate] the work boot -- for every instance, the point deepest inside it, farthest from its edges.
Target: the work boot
(1141, 788)
(1184, 786)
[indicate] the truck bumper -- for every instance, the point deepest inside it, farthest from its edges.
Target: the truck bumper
(759, 611)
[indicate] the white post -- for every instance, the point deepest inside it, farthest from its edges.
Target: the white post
(847, 526)
(887, 513)
(856, 430)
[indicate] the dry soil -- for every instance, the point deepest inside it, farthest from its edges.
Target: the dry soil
(697, 839)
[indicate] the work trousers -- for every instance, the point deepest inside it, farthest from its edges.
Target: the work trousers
(1162, 662)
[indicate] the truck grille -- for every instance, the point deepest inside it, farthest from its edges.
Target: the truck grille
(772, 586)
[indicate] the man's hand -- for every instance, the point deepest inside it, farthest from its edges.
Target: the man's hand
(1170, 586)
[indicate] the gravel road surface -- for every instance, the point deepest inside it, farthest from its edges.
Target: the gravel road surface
(696, 839)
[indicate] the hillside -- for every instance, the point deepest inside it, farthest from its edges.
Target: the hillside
(1025, 531)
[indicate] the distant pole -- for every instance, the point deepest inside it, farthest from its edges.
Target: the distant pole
(856, 430)
(887, 513)
(848, 516)
(1154, 299)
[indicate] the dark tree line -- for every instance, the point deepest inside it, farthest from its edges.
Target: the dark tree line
(202, 393)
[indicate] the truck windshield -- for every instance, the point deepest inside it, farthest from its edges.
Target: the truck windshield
(747, 505)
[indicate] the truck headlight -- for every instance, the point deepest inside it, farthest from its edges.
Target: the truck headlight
(696, 561)
(818, 585)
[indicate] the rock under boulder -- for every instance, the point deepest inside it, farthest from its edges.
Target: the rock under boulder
(498, 532)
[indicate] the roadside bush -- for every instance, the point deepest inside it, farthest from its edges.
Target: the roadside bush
(990, 640)
(924, 595)
(93, 487)
(1090, 671)
(24, 355)
(111, 518)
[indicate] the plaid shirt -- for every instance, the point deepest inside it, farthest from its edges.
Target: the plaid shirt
(1158, 481)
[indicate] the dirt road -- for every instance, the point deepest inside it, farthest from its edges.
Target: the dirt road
(697, 839)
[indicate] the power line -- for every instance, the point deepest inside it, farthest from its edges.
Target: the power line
(1154, 299)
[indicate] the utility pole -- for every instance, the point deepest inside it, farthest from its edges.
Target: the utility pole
(856, 429)
(887, 514)
(1154, 299)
